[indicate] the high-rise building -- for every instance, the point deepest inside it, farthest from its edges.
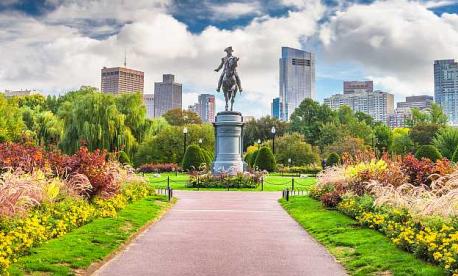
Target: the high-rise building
(148, 100)
(297, 79)
(446, 87)
(276, 108)
(122, 80)
(14, 93)
(377, 104)
(420, 102)
(350, 87)
(167, 95)
(403, 113)
(206, 107)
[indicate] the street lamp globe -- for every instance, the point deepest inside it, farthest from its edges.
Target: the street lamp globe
(259, 141)
(185, 130)
(200, 140)
(273, 130)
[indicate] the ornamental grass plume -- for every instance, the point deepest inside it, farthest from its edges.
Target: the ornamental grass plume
(440, 200)
(18, 193)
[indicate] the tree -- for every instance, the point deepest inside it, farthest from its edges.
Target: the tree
(434, 115)
(402, 143)
(167, 145)
(11, 124)
(331, 133)
(428, 151)
(294, 146)
(350, 145)
(383, 137)
(48, 128)
(265, 160)
(193, 158)
(179, 117)
(309, 117)
(261, 129)
(363, 117)
(446, 141)
(92, 119)
(132, 106)
(423, 133)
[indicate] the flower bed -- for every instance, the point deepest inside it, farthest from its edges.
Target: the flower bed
(241, 180)
(413, 202)
(159, 168)
(44, 195)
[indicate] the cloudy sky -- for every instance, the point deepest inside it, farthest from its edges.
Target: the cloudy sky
(58, 45)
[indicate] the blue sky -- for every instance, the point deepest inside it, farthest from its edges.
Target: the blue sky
(58, 45)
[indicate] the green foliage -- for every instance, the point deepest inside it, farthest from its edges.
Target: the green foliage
(124, 158)
(193, 158)
(250, 158)
(434, 115)
(94, 119)
(261, 129)
(423, 133)
(402, 143)
(308, 119)
(428, 151)
(350, 145)
(294, 146)
(11, 124)
(265, 160)
(131, 105)
(166, 146)
(455, 156)
(333, 159)
(446, 141)
(208, 157)
(179, 117)
(383, 137)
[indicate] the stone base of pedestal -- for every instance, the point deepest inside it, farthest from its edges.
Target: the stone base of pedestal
(228, 143)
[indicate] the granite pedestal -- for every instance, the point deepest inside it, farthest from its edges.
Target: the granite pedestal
(228, 143)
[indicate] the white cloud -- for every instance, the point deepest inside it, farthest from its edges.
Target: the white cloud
(395, 41)
(42, 54)
(235, 10)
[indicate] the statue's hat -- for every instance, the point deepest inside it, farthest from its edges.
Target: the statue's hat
(229, 49)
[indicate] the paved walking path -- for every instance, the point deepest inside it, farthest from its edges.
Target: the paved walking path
(224, 233)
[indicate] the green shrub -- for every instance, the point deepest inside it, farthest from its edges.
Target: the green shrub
(455, 156)
(265, 160)
(193, 158)
(251, 158)
(208, 156)
(428, 151)
(124, 158)
(333, 159)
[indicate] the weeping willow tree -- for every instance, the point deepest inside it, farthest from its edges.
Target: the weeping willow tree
(132, 106)
(11, 124)
(93, 119)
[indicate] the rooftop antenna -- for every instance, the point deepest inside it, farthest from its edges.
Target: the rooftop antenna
(125, 57)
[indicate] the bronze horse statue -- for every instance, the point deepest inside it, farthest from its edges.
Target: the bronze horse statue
(229, 84)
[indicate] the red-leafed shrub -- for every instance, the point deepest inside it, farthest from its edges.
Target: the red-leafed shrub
(331, 199)
(157, 168)
(24, 157)
(419, 171)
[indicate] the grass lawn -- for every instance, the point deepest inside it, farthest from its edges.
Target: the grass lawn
(362, 251)
(76, 251)
(273, 182)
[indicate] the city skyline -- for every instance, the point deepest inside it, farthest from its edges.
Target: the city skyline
(349, 38)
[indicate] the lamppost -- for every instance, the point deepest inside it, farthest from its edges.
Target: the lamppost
(185, 135)
(200, 142)
(259, 143)
(273, 131)
(289, 162)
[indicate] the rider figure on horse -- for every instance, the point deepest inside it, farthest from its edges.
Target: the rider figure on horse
(224, 62)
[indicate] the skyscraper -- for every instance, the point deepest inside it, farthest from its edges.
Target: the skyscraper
(167, 95)
(350, 87)
(122, 80)
(378, 104)
(297, 79)
(148, 100)
(276, 108)
(446, 87)
(206, 107)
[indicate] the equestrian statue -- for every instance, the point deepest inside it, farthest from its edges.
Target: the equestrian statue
(229, 79)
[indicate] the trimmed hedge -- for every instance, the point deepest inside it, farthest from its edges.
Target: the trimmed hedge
(193, 158)
(333, 159)
(428, 151)
(265, 160)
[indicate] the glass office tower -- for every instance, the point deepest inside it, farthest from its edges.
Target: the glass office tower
(446, 87)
